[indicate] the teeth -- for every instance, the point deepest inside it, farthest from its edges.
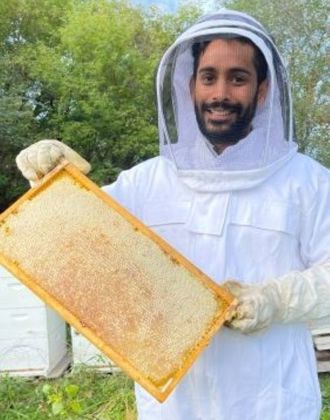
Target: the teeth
(221, 113)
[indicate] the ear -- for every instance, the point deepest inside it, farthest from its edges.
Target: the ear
(262, 91)
(192, 87)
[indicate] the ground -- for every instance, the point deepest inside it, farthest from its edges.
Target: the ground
(84, 394)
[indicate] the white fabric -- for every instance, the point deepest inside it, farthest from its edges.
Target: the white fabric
(250, 235)
(40, 158)
(294, 297)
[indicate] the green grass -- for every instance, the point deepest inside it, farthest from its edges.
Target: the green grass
(325, 387)
(84, 394)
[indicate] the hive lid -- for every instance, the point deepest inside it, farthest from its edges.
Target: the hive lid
(119, 284)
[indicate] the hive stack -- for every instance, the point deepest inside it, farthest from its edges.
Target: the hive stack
(32, 336)
(321, 337)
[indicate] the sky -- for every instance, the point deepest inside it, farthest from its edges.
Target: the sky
(167, 5)
(172, 5)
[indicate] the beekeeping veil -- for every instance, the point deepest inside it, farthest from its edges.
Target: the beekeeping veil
(270, 143)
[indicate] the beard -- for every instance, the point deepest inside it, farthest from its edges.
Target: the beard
(237, 130)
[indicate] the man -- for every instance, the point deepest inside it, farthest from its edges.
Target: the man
(232, 194)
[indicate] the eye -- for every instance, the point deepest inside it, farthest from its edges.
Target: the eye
(239, 80)
(207, 78)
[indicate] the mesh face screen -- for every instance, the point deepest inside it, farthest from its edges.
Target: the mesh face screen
(114, 280)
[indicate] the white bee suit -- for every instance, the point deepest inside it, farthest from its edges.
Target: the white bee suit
(257, 211)
(249, 235)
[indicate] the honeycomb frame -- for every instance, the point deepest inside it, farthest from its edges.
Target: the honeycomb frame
(60, 298)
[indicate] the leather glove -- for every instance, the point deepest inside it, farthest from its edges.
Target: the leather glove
(295, 297)
(40, 158)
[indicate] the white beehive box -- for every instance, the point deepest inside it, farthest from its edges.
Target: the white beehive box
(84, 353)
(32, 336)
(321, 336)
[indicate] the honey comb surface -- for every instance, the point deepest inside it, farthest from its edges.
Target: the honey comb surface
(124, 288)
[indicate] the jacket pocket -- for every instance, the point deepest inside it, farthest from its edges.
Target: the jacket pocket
(168, 220)
(263, 239)
(158, 213)
(276, 216)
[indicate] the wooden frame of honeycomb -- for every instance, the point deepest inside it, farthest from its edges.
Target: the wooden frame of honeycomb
(118, 283)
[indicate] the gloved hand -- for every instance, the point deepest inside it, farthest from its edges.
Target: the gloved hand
(294, 297)
(40, 158)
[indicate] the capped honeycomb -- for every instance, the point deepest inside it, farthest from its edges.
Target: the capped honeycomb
(131, 294)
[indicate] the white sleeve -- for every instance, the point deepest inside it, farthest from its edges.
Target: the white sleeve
(297, 296)
(315, 227)
(306, 295)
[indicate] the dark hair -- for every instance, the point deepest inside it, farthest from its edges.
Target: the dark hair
(259, 60)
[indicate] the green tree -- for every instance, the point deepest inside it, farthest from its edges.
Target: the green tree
(300, 31)
(21, 23)
(101, 81)
(82, 72)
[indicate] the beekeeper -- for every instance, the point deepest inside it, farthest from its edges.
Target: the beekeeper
(230, 192)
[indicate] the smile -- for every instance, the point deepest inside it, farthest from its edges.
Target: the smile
(220, 113)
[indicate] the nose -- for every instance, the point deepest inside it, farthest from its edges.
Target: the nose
(221, 90)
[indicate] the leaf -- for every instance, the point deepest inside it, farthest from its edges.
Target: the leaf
(57, 408)
(75, 407)
(46, 389)
(71, 390)
(55, 397)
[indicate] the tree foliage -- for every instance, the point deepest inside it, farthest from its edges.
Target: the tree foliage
(82, 72)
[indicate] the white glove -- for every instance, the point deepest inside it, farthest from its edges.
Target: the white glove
(294, 297)
(40, 158)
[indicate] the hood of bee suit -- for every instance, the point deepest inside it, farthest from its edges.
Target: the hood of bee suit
(254, 158)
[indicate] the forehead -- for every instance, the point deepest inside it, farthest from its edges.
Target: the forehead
(226, 54)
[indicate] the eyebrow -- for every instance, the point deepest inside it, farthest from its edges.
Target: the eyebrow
(232, 70)
(207, 69)
(239, 70)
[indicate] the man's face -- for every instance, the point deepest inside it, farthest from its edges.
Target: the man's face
(225, 92)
